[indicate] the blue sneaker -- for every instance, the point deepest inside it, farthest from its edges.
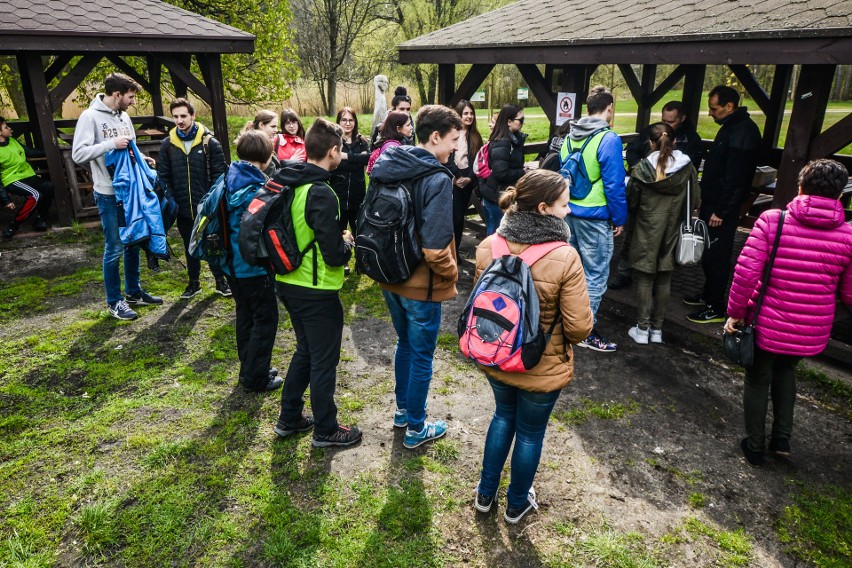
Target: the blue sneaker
(400, 418)
(120, 310)
(143, 298)
(597, 343)
(430, 431)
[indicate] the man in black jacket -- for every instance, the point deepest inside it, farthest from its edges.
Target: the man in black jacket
(190, 160)
(728, 172)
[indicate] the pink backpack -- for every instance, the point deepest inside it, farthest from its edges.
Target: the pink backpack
(499, 326)
(481, 167)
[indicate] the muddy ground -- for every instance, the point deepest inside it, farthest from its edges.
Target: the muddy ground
(634, 474)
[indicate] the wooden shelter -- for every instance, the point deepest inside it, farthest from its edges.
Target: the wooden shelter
(66, 39)
(572, 39)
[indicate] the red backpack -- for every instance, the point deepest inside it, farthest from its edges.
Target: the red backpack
(481, 167)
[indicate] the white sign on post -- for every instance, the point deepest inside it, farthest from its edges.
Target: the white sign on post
(478, 97)
(565, 107)
(523, 94)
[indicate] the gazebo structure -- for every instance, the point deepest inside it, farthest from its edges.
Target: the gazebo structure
(66, 39)
(572, 39)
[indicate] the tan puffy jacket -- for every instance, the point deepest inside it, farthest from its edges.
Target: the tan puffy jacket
(560, 284)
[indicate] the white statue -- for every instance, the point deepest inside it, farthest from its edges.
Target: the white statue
(380, 106)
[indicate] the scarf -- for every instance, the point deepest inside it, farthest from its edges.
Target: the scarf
(529, 227)
(189, 135)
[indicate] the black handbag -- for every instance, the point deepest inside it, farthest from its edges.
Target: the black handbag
(739, 346)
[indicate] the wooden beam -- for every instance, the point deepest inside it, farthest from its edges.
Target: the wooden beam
(643, 112)
(540, 89)
(27, 88)
(178, 83)
(632, 80)
(835, 137)
(73, 79)
(181, 70)
(56, 66)
(667, 85)
(777, 104)
(693, 91)
(575, 79)
(446, 82)
(155, 75)
(128, 70)
(212, 63)
(809, 104)
(748, 80)
(30, 65)
(476, 75)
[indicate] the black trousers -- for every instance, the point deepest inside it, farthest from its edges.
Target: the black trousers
(461, 202)
(193, 265)
(716, 261)
(39, 194)
(257, 322)
(318, 324)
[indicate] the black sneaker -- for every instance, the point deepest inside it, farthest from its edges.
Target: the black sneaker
(779, 447)
(620, 281)
(273, 383)
(192, 289)
(39, 224)
(707, 315)
(153, 263)
(143, 298)
(483, 503)
(513, 516)
(342, 437)
(11, 229)
(284, 429)
(223, 289)
(696, 300)
(754, 459)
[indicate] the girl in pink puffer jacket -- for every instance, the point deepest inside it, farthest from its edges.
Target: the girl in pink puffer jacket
(813, 263)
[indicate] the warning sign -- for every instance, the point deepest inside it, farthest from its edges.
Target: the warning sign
(565, 107)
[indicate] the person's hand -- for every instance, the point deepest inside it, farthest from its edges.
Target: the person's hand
(121, 142)
(151, 161)
(10, 205)
(344, 156)
(347, 237)
(714, 221)
(730, 325)
(462, 181)
(299, 155)
(616, 231)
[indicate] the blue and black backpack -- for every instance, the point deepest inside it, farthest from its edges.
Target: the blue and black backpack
(574, 168)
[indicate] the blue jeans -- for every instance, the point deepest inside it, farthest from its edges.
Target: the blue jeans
(593, 240)
(416, 324)
(520, 415)
(493, 216)
(114, 250)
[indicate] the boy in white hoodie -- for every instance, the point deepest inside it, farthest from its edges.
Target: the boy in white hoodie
(105, 126)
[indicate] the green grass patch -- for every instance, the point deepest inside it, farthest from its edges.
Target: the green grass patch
(605, 547)
(735, 546)
(834, 394)
(817, 527)
(697, 500)
(593, 409)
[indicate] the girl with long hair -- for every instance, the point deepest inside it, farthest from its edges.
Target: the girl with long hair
(267, 122)
(461, 165)
(506, 159)
(347, 180)
(396, 130)
(290, 143)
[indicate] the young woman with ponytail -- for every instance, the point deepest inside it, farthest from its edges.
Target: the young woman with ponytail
(267, 122)
(535, 210)
(656, 196)
(461, 166)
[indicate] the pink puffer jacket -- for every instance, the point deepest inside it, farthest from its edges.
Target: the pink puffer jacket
(814, 260)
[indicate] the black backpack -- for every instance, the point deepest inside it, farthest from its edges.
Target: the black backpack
(387, 248)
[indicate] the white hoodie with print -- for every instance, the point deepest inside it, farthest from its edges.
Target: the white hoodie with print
(94, 136)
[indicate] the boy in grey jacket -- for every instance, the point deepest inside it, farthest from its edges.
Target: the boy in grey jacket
(105, 126)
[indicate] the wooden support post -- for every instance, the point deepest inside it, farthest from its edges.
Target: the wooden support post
(471, 82)
(632, 81)
(155, 78)
(540, 89)
(212, 63)
(809, 104)
(177, 80)
(835, 137)
(693, 90)
(667, 85)
(643, 112)
(775, 112)
(27, 88)
(29, 64)
(446, 83)
(575, 79)
(59, 62)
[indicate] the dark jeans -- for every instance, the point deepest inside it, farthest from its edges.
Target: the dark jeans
(193, 265)
(257, 322)
(318, 324)
(461, 202)
(39, 194)
(775, 374)
(521, 416)
(716, 261)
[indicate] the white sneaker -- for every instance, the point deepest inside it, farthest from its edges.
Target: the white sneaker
(655, 335)
(638, 335)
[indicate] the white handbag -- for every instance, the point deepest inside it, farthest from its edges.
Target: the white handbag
(693, 239)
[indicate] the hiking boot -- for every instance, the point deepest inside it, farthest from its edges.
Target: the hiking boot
(597, 343)
(707, 315)
(343, 436)
(11, 229)
(754, 459)
(430, 431)
(779, 447)
(222, 288)
(483, 503)
(513, 516)
(638, 334)
(655, 335)
(143, 298)
(696, 300)
(284, 429)
(620, 281)
(400, 418)
(192, 289)
(273, 383)
(120, 310)
(39, 224)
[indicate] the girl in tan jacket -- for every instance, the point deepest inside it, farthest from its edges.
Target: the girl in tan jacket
(535, 210)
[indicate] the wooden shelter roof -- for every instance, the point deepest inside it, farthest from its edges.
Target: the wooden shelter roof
(137, 26)
(643, 31)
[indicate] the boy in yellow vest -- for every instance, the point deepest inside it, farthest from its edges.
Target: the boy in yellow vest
(310, 293)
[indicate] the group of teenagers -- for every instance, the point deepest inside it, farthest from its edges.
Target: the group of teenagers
(434, 154)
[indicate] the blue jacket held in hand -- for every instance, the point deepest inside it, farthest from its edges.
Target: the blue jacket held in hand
(133, 182)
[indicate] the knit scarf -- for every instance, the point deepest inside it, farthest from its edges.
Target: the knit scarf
(188, 135)
(529, 227)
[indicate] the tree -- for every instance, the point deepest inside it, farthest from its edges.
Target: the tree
(326, 32)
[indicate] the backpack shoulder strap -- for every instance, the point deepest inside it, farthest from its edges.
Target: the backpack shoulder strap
(535, 253)
(499, 247)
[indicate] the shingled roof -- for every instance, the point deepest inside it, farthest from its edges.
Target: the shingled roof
(600, 23)
(98, 25)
